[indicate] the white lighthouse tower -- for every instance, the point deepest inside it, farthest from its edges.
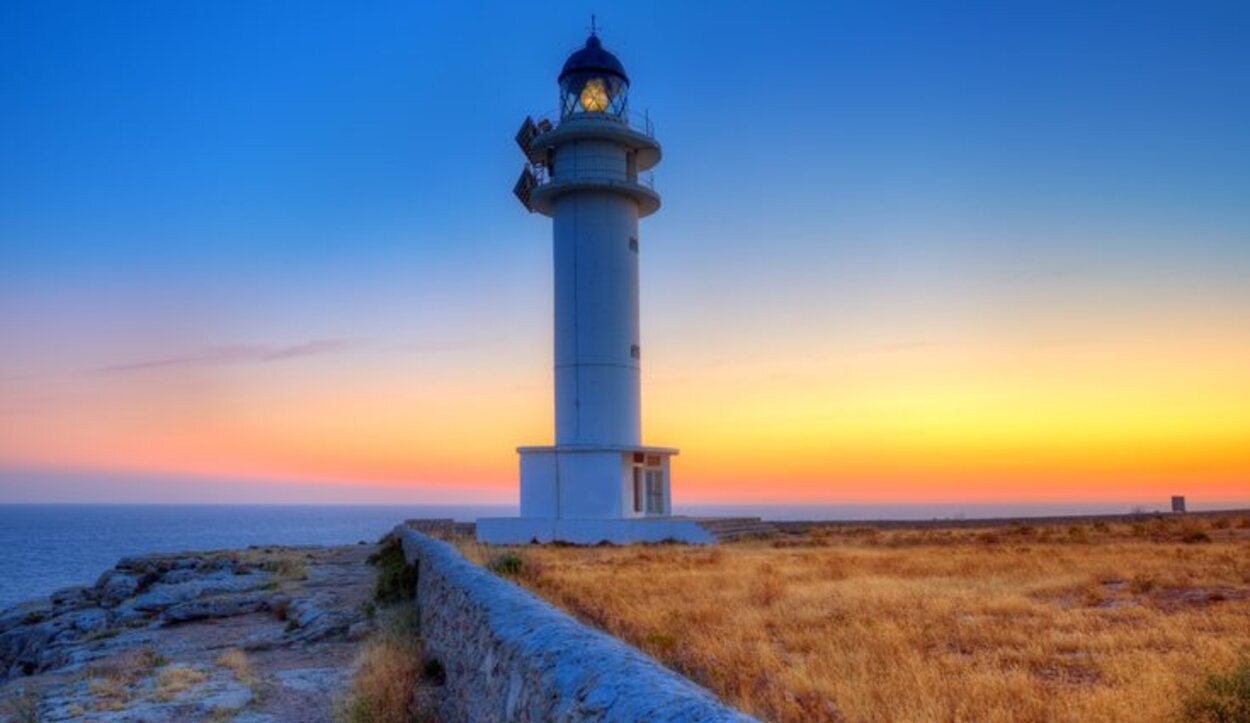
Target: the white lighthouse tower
(588, 169)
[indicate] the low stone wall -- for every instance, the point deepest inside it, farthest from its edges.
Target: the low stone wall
(510, 656)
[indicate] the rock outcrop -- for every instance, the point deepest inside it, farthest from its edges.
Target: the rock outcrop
(147, 641)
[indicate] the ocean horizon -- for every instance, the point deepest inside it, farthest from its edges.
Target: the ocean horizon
(45, 547)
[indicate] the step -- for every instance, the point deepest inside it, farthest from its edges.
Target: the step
(725, 529)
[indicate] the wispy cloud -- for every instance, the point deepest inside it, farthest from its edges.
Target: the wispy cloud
(429, 346)
(234, 354)
(1047, 273)
(907, 345)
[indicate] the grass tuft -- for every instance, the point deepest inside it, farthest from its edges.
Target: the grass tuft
(396, 580)
(508, 564)
(287, 566)
(1221, 698)
(237, 662)
(21, 707)
(111, 681)
(176, 679)
(388, 682)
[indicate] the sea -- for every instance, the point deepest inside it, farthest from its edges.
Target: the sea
(47, 547)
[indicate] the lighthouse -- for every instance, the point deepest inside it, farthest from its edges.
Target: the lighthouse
(588, 168)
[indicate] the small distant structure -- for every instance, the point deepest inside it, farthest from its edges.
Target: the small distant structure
(1178, 504)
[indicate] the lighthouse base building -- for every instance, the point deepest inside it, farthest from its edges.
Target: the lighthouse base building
(587, 169)
(589, 495)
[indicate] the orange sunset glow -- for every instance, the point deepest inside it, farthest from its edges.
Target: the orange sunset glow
(1080, 420)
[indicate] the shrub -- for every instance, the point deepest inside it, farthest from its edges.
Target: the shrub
(237, 662)
(286, 567)
(433, 672)
(1094, 596)
(1195, 536)
(22, 707)
(128, 666)
(869, 534)
(1142, 584)
(176, 679)
(508, 564)
(387, 686)
(397, 580)
(1221, 698)
(280, 607)
(660, 642)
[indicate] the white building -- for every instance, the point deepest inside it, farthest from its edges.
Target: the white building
(588, 169)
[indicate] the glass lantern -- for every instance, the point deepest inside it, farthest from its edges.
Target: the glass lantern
(594, 92)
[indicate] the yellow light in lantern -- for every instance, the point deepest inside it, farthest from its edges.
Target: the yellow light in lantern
(594, 98)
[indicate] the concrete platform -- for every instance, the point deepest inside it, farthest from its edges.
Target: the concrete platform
(590, 531)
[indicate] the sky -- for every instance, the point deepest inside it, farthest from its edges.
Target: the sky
(909, 252)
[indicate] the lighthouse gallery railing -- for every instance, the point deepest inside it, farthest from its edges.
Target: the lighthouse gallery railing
(591, 168)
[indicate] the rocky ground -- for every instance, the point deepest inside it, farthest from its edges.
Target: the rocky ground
(263, 634)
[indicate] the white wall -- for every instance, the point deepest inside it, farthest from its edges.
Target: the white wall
(597, 378)
(538, 485)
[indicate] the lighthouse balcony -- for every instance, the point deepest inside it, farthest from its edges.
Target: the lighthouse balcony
(640, 122)
(540, 137)
(591, 173)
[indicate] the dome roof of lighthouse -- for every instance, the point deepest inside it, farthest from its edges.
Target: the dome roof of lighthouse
(593, 59)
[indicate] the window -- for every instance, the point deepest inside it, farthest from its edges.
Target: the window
(655, 492)
(638, 489)
(635, 352)
(633, 244)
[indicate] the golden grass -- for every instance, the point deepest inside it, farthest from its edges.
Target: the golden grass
(1083, 622)
(22, 706)
(176, 679)
(111, 681)
(387, 685)
(287, 566)
(237, 662)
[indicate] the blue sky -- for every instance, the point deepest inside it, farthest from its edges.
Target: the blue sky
(181, 178)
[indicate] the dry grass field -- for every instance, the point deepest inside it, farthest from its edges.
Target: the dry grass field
(1122, 621)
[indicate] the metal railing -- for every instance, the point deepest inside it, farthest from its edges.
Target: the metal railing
(592, 168)
(640, 122)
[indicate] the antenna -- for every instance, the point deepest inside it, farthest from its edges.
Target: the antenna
(594, 27)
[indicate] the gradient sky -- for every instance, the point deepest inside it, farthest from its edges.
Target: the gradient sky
(908, 252)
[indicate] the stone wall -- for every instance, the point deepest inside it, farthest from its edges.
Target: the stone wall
(510, 656)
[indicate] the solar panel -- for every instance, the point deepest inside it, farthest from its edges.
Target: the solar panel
(524, 186)
(526, 135)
